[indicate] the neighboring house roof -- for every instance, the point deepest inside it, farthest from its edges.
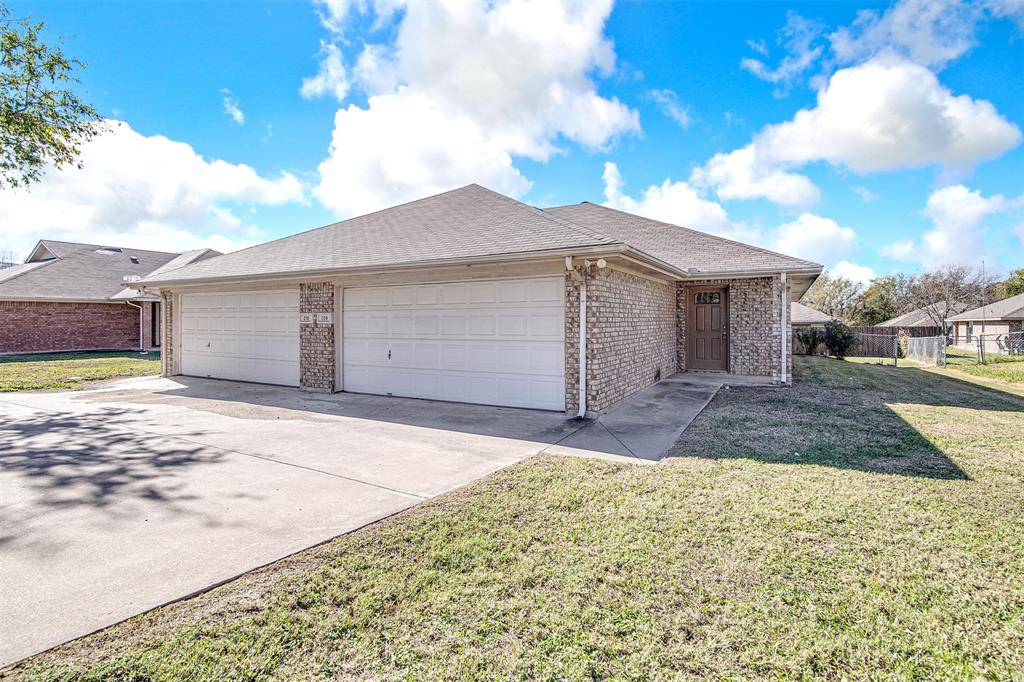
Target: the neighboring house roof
(1007, 309)
(921, 318)
(801, 314)
(183, 259)
(688, 250)
(59, 270)
(471, 223)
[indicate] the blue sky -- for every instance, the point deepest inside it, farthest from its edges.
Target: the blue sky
(871, 137)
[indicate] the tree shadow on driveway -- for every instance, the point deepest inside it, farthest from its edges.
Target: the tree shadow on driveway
(55, 462)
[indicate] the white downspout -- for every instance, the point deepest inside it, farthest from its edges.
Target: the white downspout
(142, 345)
(783, 336)
(583, 339)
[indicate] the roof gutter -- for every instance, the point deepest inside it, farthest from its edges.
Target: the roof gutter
(602, 249)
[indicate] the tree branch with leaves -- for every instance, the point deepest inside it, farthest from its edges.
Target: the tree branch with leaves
(43, 122)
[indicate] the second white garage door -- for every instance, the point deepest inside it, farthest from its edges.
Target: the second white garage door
(245, 336)
(494, 342)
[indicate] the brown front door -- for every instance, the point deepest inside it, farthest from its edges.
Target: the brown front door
(707, 328)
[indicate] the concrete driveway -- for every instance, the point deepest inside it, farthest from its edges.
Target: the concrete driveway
(119, 499)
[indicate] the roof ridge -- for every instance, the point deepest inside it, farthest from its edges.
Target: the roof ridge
(346, 220)
(588, 232)
(693, 231)
(107, 246)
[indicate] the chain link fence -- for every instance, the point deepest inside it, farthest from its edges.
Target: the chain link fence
(927, 350)
(1000, 347)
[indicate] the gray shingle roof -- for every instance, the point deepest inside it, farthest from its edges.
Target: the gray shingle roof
(474, 222)
(129, 293)
(801, 314)
(1007, 309)
(463, 223)
(78, 272)
(920, 317)
(678, 246)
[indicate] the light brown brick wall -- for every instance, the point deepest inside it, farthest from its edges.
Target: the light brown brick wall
(631, 336)
(167, 349)
(754, 325)
(39, 326)
(316, 341)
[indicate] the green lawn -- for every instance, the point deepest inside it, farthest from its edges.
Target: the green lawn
(70, 370)
(866, 523)
(1000, 367)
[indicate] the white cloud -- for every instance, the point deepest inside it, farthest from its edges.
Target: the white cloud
(143, 191)
(741, 174)
(673, 202)
(885, 114)
(816, 238)
(462, 90)
(331, 77)
(903, 249)
(929, 32)
(864, 193)
(231, 107)
(799, 37)
(861, 274)
(958, 215)
(670, 105)
(1019, 231)
(888, 114)
(382, 155)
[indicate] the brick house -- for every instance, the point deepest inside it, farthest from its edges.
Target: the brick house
(471, 296)
(999, 318)
(68, 296)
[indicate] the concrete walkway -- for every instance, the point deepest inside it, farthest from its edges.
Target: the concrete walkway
(119, 499)
(648, 424)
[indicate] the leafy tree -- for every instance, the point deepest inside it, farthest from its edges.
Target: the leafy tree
(839, 338)
(887, 297)
(943, 292)
(810, 338)
(1011, 286)
(42, 120)
(835, 296)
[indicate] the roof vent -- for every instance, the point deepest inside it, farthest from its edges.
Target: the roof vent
(108, 250)
(134, 259)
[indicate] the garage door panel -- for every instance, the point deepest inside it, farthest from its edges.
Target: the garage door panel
(247, 336)
(498, 342)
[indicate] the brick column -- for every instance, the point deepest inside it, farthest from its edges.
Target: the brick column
(167, 349)
(316, 336)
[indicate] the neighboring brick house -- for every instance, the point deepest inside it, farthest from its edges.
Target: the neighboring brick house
(474, 297)
(68, 296)
(999, 318)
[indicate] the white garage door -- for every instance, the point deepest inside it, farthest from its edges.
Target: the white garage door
(494, 342)
(245, 336)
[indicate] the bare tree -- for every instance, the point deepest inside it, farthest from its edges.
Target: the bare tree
(835, 296)
(8, 258)
(944, 292)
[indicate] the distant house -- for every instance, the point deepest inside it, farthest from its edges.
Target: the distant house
(804, 316)
(69, 296)
(921, 322)
(1001, 317)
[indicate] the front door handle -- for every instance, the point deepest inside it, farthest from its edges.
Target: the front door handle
(389, 353)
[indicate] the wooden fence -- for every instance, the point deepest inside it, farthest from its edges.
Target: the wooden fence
(910, 331)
